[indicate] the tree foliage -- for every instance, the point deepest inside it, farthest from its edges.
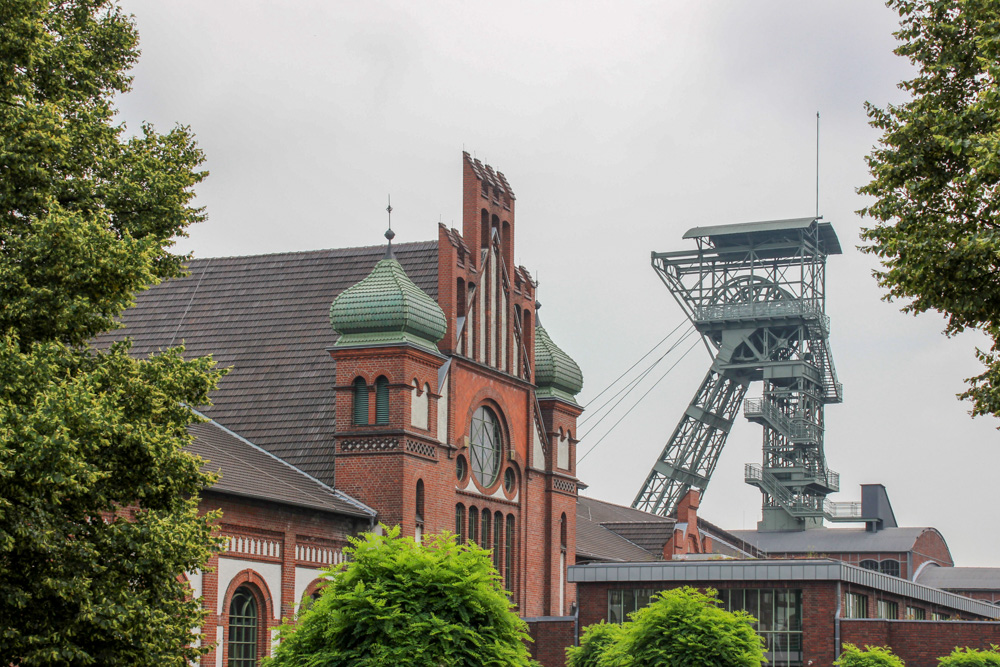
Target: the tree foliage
(98, 507)
(935, 177)
(970, 657)
(401, 603)
(870, 656)
(594, 644)
(681, 627)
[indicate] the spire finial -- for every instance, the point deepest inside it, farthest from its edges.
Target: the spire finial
(389, 234)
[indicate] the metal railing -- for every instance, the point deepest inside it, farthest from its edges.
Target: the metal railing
(845, 510)
(755, 474)
(762, 309)
(796, 430)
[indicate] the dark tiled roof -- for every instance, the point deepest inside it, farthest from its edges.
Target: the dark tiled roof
(608, 532)
(266, 317)
(247, 470)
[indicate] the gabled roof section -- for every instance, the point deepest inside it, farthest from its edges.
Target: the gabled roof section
(249, 471)
(484, 172)
(607, 532)
(266, 318)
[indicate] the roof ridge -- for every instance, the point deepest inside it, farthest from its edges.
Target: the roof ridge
(346, 498)
(379, 248)
(626, 507)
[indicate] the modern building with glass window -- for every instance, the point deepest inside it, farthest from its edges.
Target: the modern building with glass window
(407, 384)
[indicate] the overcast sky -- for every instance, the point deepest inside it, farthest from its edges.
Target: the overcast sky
(619, 125)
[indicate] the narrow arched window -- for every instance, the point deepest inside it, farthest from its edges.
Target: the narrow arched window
(474, 524)
(243, 620)
(460, 523)
(485, 532)
(381, 400)
(360, 401)
(418, 532)
(562, 531)
(420, 501)
(508, 564)
(498, 541)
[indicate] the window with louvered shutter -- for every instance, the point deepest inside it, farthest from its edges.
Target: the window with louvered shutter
(360, 401)
(381, 400)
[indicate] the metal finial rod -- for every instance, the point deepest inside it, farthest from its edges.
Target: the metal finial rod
(389, 234)
(817, 164)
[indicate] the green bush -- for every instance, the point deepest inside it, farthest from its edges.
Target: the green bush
(402, 603)
(970, 657)
(684, 627)
(871, 656)
(594, 644)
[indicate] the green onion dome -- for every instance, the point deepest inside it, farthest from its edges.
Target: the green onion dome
(387, 308)
(556, 374)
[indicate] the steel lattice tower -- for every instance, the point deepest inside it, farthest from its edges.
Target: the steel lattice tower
(756, 294)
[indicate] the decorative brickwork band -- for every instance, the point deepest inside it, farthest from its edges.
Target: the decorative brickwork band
(324, 555)
(253, 546)
(563, 485)
(421, 448)
(369, 445)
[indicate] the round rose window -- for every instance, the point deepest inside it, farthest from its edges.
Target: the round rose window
(485, 446)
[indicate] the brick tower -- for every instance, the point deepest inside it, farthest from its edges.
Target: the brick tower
(458, 413)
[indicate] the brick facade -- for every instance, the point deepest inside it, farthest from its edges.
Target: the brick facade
(920, 643)
(485, 359)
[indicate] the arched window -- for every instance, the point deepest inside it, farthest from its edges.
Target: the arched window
(562, 531)
(243, 629)
(485, 532)
(381, 400)
(419, 512)
(420, 500)
(486, 446)
(890, 567)
(508, 561)
(484, 228)
(497, 535)
(474, 524)
(460, 523)
(869, 565)
(360, 401)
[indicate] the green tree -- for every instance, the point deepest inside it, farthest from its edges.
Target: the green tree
(594, 644)
(98, 503)
(402, 603)
(970, 657)
(870, 656)
(936, 177)
(684, 627)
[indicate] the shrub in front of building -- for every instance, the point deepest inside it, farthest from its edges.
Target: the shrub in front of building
(402, 603)
(970, 657)
(869, 656)
(681, 626)
(594, 643)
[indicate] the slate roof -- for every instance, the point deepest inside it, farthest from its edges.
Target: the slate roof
(833, 540)
(265, 317)
(961, 578)
(608, 532)
(249, 471)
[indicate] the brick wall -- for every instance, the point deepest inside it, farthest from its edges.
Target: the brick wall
(551, 636)
(280, 526)
(920, 643)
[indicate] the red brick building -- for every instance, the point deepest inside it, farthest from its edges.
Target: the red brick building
(410, 386)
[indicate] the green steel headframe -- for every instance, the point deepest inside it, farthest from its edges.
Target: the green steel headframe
(756, 294)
